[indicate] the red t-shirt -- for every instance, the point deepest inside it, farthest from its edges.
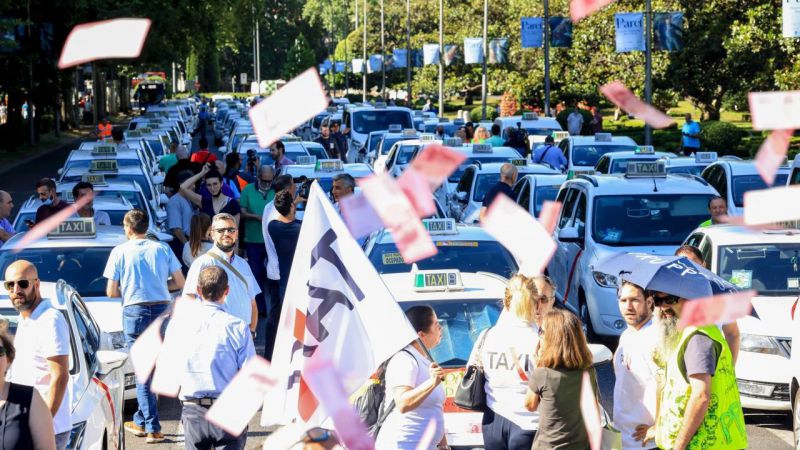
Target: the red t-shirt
(203, 156)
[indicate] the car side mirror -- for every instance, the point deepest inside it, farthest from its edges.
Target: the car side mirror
(461, 196)
(600, 354)
(60, 171)
(109, 360)
(569, 234)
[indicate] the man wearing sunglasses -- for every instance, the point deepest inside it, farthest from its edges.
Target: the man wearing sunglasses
(42, 346)
(255, 197)
(700, 406)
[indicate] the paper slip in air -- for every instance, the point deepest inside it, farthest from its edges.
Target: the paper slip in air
(725, 308)
(359, 216)
(416, 187)
(621, 96)
(325, 383)
(399, 217)
(176, 348)
(520, 233)
(50, 224)
(772, 154)
(591, 413)
(775, 110)
(548, 216)
(765, 206)
(145, 350)
(241, 399)
(299, 100)
(437, 163)
(117, 38)
(578, 9)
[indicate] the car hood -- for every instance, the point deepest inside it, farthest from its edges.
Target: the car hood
(601, 252)
(107, 312)
(774, 317)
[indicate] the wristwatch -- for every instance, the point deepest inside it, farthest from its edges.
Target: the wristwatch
(253, 333)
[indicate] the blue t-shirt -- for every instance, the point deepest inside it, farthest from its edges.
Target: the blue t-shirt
(691, 128)
(550, 154)
(142, 266)
(497, 189)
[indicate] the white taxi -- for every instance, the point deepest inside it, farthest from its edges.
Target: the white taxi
(403, 152)
(617, 162)
(533, 190)
(767, 262)
(536, 127)
(475, 153)
(308, 168)
(733, 178)
(95, 379)
(644, 210)
(381, 153)
(466, 201)
(583, 152)
(466, 303)
(691, 165)
(115, 207)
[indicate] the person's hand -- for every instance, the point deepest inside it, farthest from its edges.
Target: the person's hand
(437, 373)
(206, 168)
(644, 433)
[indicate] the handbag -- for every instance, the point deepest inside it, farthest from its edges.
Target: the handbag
(471, 393)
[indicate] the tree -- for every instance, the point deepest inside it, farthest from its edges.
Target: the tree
(300, 58)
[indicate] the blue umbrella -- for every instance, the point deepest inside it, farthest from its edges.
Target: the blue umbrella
(674, 275)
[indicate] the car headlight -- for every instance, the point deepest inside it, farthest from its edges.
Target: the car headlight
(604, 279)
(76, 436)
(118, 340)
(754, 343)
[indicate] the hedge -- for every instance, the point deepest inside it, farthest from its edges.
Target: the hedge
(476, 113)
(721, 137)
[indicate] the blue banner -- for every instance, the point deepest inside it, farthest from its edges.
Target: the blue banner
(451, 54)
(560, 32)
(322, 69)
(498, 51)
(430, 54)
(532, 32)
(339, 67)
(358, 65)
(416, 58)
(375, 63)
(400, 56)
(473, 50)
(791, 19)
(668, 31)
(629, 32)
(327, 64)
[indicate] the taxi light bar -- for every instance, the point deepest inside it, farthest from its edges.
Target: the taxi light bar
(440, 226)
(481, 148)
(705, 157)
(437, 280)
(104, 150)
(444, 120)
(395, 128)
(72, 228)
(379, 105)
(133, 134)
(452, 142)
(419, 114)
(602, 137)
(645, 150)
(332, 109)
(68, 197)
(145, 130)
(427, 137)
(103, 165)
(290, 138)
(409, 132)
(458, 121)
(639, 169)
(96, 179)
(529, 116)
(328, 165)
(307, 160)
(518, 162)
(560, 135)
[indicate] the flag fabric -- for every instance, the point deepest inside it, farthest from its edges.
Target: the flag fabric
(629, 36)
(400, 56)
(473, 50)
(560, 32)
(117, 38)
(430, 54)
(336, 308)
(532, 32)
(668, 31)
(375, 63)
(358, 65)
(498, 51)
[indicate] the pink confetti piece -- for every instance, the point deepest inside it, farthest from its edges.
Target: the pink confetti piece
(591, 413)
(359, 216)
(242, 398)
(769, 206)
(775, 110)
(144, 351)
(725, 308)
(117, 38)
(772, 154)
(50, 224)
(621, 96)
(549, 214)
(578, 9)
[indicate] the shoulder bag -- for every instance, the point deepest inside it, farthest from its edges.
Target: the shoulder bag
(470, 393)
(230, 267)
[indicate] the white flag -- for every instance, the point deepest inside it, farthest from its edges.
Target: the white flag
(337, 308)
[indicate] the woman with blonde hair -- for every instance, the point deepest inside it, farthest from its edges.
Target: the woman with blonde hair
(199, 238)
(481, 134)
(555, 387)
(507, 353)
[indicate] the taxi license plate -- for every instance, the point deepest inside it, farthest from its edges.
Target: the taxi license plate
(759, 389)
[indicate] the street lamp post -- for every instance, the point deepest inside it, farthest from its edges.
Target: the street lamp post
(546, 25)
(441, 58)
(365, 63)
(383, 56)
(408, 52)
(648, 66)
(484, 80)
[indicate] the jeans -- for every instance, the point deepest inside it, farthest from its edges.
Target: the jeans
(502, 434)
(135, 319)
(62, 439)
(256, 259)
(201, 434)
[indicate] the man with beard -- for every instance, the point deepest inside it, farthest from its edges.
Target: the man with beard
(635, 371)
(699, 407)
(241, 301)
(42, 346)
(138, 271)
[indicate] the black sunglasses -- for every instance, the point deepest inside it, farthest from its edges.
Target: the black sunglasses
(23, 284)
(229, 230)
(665, 300)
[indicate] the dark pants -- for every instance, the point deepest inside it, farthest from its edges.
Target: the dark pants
(502, 434)
(136, 319)
(200, 434)
(687, 151)
(256, 258)
(273, 316)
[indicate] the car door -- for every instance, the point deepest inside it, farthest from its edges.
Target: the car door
(558, 268)
(524, 197)
(574, 250)
(463, 188)
(603, 165)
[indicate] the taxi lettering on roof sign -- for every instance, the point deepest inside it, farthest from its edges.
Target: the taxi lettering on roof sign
(104, 150)
(133, 134)
(646, 169)
(518, 162)
(645, 150)
(481, 148)
(443, 120)
(95, 179)
(145, 130)
(290, 138)
(452, 142)
(72, 228)
(103, 165)
(427, 137)
(307, 160)
(602, 137)
(440, 226)
(437, 280)
(380, 105)
(395, 128)
(328, 165)
(529, 116)
(560, 135)
(409, 132)
(705, 157)
(331, 109)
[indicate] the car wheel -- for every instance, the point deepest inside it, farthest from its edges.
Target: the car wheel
(796, 420)
(586, 321)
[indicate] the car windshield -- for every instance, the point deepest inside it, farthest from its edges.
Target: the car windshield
(374, 120)
(86, 163)
(543, 194)
(140, 179)
(317, 151)
(405, 153)
(691, 170)
(466, 256)
(156, 145)
(449, 128)
(620, 165)
(462, 322)
(266, 157)
(587, 155)
(237, 138)
(621, 220)
(136, 199)
(318, 121)
(81, 266)
(387, 143)
(770, 269)
(746, 183)
(455, 176)
(374, 140)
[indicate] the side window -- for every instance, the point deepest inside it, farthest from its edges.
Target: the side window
(564, 146)
(705, 250)
(569, 206)
(579, 221)
(518, 188)
(89, 335)
(695, 240)
(723, 184)
(602, 165)
(465, 183)
(525, 196)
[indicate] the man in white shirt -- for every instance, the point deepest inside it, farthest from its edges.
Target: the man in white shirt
(635, 387)
(575, 122)
(42, 346)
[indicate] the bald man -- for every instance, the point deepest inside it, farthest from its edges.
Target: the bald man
(254, 199)
(6, 205)
(508, 177)
(42, 345)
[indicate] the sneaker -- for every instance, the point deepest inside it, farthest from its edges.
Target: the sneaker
(136, 430)
(155, 438)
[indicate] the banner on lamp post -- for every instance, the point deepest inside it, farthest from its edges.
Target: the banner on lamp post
(532, 32)
(430, 54)
(560, 32)
(375, 63)
(400, 56)
(451, 54)
(791, 18)
(629, 32)
(473, 50)
(668, 31)
(416, 58)
(498, 51)
(358, 65)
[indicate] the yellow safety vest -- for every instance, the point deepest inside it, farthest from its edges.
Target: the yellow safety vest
(723, 426)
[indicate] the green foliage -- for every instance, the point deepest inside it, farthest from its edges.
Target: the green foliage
(587, 119)
(722, 137)
(476, 113)
(300, 58)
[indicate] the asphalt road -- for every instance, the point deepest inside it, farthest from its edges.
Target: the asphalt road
(764, 431)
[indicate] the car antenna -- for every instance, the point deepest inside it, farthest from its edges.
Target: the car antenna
(655, 186)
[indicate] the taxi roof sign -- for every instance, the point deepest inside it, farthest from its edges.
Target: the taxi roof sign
(427, 137)
(645, 150)
(419, 114)
(602, 137)
(290, 138)
(452, 142)
(307, 160)
(73, 228)
(409, 132)
(133, 134)
(97, 179)
(104, 150)
(437, 280)
(440, 226)
(518, 162)
(638, 169)
(395, 128)
(481, 148)
(104, 165)
(379, 105)
(145, 130)
(332, 109)
(458, 121)
(560, 135)
(444, 120)
(328, 165)
(705, 157)
(529, 116)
